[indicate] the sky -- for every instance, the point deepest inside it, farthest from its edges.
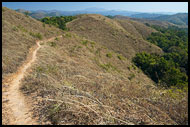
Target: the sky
(127, 6)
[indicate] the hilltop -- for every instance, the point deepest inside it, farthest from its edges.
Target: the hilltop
(112, 35)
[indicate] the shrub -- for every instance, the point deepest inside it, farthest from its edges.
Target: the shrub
(108, 66)
(84, 42)
(22, 28)
(120, 57)
(131, 76)
(52, 44)
(56, 39)
(36, 35)
(109, 55)
(67, 35)
(15, 28)
(39, 36)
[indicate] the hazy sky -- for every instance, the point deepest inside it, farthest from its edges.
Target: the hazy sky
(128, 6)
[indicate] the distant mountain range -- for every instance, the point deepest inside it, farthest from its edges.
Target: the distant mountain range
(178, 19)
(43, 13)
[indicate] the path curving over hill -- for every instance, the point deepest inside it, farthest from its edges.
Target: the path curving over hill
(15, 109)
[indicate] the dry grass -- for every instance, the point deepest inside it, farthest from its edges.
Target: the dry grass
(136, 28)
(112, 35)
(19, 33)
(74, 81)
(150, 22)
(70, 87)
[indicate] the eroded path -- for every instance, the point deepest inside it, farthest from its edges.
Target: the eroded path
(15, 110)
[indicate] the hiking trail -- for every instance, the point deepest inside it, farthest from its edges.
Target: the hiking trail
(17, 111)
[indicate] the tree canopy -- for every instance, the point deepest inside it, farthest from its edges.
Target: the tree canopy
(59, 22)
(171, 68)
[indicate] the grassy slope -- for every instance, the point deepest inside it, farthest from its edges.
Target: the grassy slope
(17, 40)
(179, 19)
(77, 83)
(111, 34)
(136, 28)
(76, 87)
(151, 22)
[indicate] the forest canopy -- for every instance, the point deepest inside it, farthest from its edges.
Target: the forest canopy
(59, 22)
(171, 68)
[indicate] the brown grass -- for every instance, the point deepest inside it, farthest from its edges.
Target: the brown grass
(19, 33)
(74, 82)
(113, 35)
(70, 87)
(150, 22)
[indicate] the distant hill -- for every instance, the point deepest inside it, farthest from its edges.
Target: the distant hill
(146, 15)
(146, 21)
(178, 19)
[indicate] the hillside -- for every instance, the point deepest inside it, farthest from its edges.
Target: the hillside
(112, 35)
(145, 15)
(178, 19)
(86, 76)
(20, 31)
(147, 21)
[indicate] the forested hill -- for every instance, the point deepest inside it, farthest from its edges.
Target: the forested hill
(178, 19)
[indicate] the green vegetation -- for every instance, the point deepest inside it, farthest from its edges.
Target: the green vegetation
(109, 16)
(57, 39)
(26, 13)
(59, 22)
(171, 68)
(36, 35)
(52, 44)
(160, 70)
(109, 55)
(120, 57)
(84, 42)
(15, 28)
(131, 76)
(108, 66)
(173, 41)
(68, 35)
(22, 28)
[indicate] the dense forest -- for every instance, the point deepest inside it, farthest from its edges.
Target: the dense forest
(171, 68)
(59, 22)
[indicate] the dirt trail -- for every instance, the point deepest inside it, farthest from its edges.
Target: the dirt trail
(18, 112)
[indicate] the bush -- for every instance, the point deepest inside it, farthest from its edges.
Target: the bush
(109, 55)
(36, 35)
(108, 66)
(15, 28)
(84, 42)
(22, 28)
(52, 44)
(120, 57)
(39, 36)
(131, 76)
(57, 39)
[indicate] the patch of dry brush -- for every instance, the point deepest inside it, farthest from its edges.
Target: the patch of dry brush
(69, 86)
